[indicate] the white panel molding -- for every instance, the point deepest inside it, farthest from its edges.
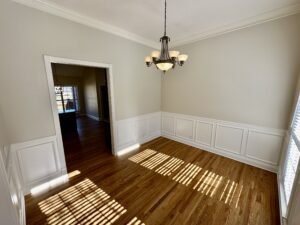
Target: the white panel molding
(12, 215)
(272, 146)
(168, 125)
(204, 133)
(245, 23)
(138, 130)
(184, 128)
(29, 157)
(5, 153)
(88, 21)
(14, 184)
(234, 141)
(231, 141)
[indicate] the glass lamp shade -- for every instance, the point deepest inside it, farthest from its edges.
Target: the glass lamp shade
(164, 66)
(155, 54)
(148, 59)
(183, 57)
(173, 54)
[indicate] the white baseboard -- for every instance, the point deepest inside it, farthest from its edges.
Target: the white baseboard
(92, 117)
(257, 146)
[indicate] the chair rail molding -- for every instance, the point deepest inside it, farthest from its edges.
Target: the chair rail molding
(250, 144)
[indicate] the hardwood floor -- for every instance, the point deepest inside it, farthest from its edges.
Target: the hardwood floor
(87, 143)
(164, 182)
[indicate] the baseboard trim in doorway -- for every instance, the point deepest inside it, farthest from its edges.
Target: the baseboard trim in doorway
(92, 117)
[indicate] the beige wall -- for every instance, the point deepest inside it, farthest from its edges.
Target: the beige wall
(246, 76)
(27, 34)
(100, 81)
(3, 136)
(90, 92)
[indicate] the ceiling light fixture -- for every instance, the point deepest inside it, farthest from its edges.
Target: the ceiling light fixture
(165, 59)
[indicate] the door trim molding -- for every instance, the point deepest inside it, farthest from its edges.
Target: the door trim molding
(51, 59)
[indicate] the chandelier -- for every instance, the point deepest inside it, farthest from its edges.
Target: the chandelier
(165, 59)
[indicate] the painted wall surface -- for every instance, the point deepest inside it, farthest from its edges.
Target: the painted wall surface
(28, 34)
(90, 93)
(247, 76)
(100, 81)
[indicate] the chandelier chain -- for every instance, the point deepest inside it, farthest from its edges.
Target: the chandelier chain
(165, 59)
(165, 31)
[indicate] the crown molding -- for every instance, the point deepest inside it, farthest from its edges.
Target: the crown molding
(85, 20)
(222, 29)
(248, 22)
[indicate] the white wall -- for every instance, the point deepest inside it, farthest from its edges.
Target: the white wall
(27, 34)
(246, 76)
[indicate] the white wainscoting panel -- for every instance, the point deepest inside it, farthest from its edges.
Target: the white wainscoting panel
(138, 130)
(254, 145)
(264, 146)
(229, 138)
(168, 125)
(14, 185)
(184, 128)
(154, 124)
(4, 151)
(37, 162)
(204, 133)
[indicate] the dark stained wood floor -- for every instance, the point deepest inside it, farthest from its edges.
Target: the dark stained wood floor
(163, 182)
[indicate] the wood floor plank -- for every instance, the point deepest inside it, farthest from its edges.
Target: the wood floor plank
(178, 184)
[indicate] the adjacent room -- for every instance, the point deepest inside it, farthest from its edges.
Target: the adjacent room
(150, 112)
(82, 105)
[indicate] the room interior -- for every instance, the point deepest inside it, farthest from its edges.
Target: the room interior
(81, 96)
(149, 112)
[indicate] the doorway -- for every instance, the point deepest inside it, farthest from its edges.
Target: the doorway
(82, 104)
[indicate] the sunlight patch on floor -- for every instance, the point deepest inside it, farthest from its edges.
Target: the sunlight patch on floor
(206, 182)
(187, 174)
(142, 155)
(155, 160)
(135, 221)
(169, 167)
(43, 188)
(83, 203)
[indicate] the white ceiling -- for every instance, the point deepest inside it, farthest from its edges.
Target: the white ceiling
(188, 20)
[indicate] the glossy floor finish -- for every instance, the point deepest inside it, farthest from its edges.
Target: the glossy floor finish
(164, 182)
